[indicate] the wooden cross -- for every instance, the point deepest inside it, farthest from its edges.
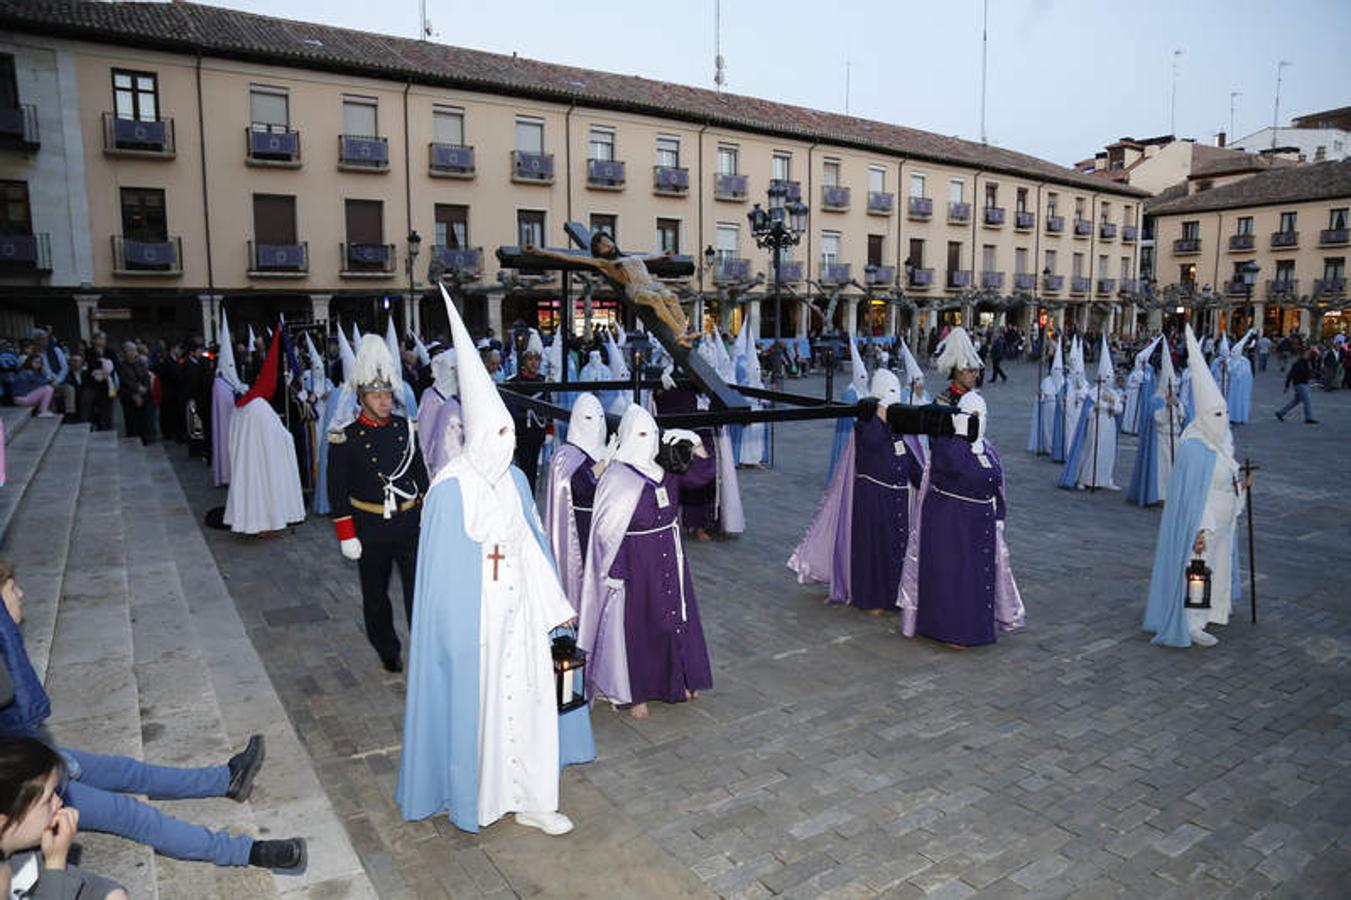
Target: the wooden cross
(496, 556)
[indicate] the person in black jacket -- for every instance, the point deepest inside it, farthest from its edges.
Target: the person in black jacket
(531, 427)
(1299, 376)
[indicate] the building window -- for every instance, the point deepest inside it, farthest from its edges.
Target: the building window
(1285, 271)
(1127, 214)
(605, 223)
(917, 184)
(1334, 268)
(668, 235)
(452, 226)
(1102, 266)
(876, 245)
(830, 248)
(727, 159)
(830, 173)
(269, 108)
(1244, 225)
(529, 135)
(9, 84)
(1105, 212)
(1022, 200)
(987, 258)
(1051, 199)
(1337, 219)
(728, 238)
(781, 166)
(16, 216)
(916, 258)
(991, 195)
(1020, 260)
(143, 215)
(1191, 231)
(1077, 265)
(1187, 275)
(668, 151)
(448, 125)
(1078, 207)
(1050, 261)
(136, 95)
(365, 221)
(274, 219)
(956, 190)
(1125, 268)
(530, 227)
(602, 143)
(360, 116)
(877, 180)
(1288, 220)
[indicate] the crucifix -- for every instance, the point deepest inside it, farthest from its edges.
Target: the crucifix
(496, 556)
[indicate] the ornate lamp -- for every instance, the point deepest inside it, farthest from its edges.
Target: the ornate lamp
(1198, 585)
(569, 673)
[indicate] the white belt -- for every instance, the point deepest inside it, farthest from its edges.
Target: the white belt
(680, 555)
(939, 490)
(890, 487)
(576, 508)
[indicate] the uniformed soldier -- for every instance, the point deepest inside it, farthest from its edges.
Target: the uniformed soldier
(376, 479)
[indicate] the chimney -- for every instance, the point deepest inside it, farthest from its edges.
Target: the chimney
(1219, 140)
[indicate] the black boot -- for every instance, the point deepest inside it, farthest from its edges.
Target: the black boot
(244, 765)
(392, 663)
(287, 854)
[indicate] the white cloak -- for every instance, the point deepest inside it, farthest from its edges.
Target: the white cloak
(265, 493)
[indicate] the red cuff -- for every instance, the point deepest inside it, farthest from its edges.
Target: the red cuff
(345, 528)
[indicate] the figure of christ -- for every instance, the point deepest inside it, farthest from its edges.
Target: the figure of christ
(630, 273)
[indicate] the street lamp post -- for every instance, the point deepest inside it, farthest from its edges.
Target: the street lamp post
(781, 226)
(1250, 270)
(414, 245)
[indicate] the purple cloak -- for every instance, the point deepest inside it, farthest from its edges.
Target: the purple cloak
(561, 519)
(440, 428)
(222, 411)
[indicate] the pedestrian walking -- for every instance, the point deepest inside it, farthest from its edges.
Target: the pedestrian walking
(1299, 376)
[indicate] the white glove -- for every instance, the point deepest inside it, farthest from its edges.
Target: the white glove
(675, 435)
(351, 548)
(666, 380)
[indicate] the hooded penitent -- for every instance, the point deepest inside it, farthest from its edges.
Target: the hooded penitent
(586, 427)
(225, 362)
(858, 372)
(1210, 411)
(1106, 371)
(886, 387)
(224, 389)
(639, 442)
(914, 393)
(1058, 365)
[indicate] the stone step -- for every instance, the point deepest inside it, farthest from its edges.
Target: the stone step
(23, 455)
(15, 419)
(90, 677)
(287, 797)
(38, 539)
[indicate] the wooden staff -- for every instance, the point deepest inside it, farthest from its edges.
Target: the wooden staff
(1248, 469)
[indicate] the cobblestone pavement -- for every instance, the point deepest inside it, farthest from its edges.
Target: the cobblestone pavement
(835, 758)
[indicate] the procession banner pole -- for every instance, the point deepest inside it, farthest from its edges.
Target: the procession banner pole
(1097, 408)
(1248, 469)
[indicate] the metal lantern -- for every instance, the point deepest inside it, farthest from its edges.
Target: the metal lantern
(569, 673)
(797, 211)
(1198, 585)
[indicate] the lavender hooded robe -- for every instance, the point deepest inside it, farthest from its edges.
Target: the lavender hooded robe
(567, 515)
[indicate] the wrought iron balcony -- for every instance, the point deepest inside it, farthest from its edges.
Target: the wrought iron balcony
(1241, 241)
(1236, 287)
(532, 168)
(132, 257)
(272, 148)
(834, 273)
(1331, 237)
(921, 207)
(1279, 287)
(1024, 220)
(1024, 281)
(1106, 285)
(1055, 224)
(1080, 284)
(731, 269)
(729, 187)
(670, 180)
(994, 215)
(1129, 233)
(881, 202)
(278, 260)
(921, 278)
(1285, 238)
(19, 127)
(875, 275)
(959, 278)
(32, 252)
(834, 197)
(793, 189)
(992, 279)
(459, 260)
(790, 271)
(959, 212)
(1329, 286)
(605, 174)
(367, 260)
(1082, 227)
(450, 160)
(363, 153)
(1183, 246)
(132, 137)
(1130, 286)
(1053, 284)
(1107, 231)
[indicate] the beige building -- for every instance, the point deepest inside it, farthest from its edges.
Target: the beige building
(221, 157)
(1271, 248)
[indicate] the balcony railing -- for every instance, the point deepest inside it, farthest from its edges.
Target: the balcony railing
(1331, 237)
(532, 168)
(459, 260)
(1130, 286)
(606, 174)
(26, 251)
(363, 153)
(132, 137)
(1129, 233)
(921, 278)
(834, 273)
(670, 180)
(731, 269)
(1053, 284)
(881, 202)
(366, 260)
(1285, 238)
(992, 279)
(834, 197)
(1055, 224)
(132, 257)
(1106, 285)
(959, 278)
(1241, 241)
(1186, 245)
(793, 189)
(1236, 287)
(450, 160)
(272, 148)
(959, 212)
(1024, 281)
(879, 274)
(1325, 286)
(994, 215)
(279, 259)
(1024, 220)
(790, 271)
(19, 127)
(1080, 284)
(1107, 231)
(1278, 287)
(920, 207)
(729, 187)
(1082, 227)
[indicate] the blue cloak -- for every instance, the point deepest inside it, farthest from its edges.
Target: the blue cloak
(1070, 475)
(844, 429)
(1058, 431)
(1144, 486)
(439, 768)
(1143, 411)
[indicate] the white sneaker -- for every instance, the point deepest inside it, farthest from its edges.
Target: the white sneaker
(552, 823)
(1203, 638)
(48, 415)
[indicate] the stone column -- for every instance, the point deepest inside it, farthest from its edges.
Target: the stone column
(494, 302)
(1304, 322)
(319, 304)
(968, 314)
(413, 313)
(697, 314)
(1059, 320)
(86, 311)
(804, 318)
(1259, 316)
(893, 319)
(1156, 319)
(210, 315)
(754, 315)
(851, 316)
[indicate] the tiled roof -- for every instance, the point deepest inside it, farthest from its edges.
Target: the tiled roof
(190, 28)
(1293, 184)
(1208, 162)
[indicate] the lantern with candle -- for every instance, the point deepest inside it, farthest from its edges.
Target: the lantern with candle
(1198, 585)
(569, 673)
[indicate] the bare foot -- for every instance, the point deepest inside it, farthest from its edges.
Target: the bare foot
(702, 534)
(638, 710)
(874, 612)
(691, 695)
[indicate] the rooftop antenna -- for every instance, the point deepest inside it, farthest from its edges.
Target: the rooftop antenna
(847, 65)
(1276, 113)
(424, 25)
(1233, 98)
(719, 66)
(1172, 103)
(984, 42)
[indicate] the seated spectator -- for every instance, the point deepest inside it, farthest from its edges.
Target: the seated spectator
(32, 386)
(99, 786)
